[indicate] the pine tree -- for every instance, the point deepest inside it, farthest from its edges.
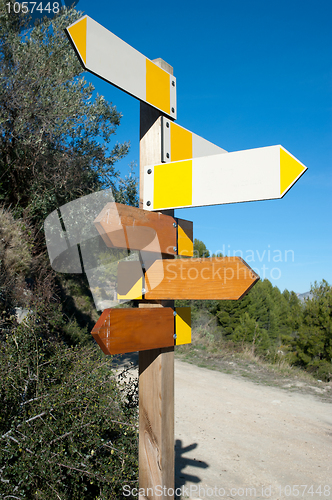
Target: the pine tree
(313, 343)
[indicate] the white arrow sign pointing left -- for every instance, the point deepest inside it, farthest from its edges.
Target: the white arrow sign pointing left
(107, 56)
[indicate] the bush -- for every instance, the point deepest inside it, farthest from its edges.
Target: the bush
(66, 428)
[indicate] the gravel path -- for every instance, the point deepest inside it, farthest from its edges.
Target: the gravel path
(234, 437)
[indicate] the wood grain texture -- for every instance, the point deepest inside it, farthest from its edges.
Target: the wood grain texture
(119, 331)
(156, 420)
(122, 226)
(227, 278)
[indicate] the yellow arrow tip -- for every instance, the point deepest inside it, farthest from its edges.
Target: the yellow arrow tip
(77, 32)
(290, 170)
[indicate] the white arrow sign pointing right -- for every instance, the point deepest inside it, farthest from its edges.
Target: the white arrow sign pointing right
(250, 175)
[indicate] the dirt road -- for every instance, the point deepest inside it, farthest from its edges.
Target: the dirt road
(234, 437)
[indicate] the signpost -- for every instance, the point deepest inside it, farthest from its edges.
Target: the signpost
(177, 169)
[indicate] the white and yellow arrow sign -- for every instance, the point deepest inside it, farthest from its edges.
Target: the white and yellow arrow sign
(250, 175)
(107, 56)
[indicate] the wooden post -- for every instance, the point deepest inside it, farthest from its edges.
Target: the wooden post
(156, 366)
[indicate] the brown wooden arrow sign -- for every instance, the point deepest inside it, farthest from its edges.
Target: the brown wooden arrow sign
(122, 226)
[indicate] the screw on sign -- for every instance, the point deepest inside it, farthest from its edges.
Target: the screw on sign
(177, 169)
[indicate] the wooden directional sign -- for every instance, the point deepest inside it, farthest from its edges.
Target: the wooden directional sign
(250, 175)
(122, 226)
(107, 56)
(179, 143)
(216, 278)
(127, 330)
(118, 331)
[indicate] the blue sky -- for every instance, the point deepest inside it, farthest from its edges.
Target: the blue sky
(249, 74)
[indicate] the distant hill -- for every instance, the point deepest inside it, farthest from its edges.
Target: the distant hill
(303, 296)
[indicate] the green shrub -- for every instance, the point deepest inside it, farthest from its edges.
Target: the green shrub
(67, 430)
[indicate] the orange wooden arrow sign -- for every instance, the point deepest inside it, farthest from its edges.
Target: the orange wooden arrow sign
(122, 226)
(227, 278)
(216, 278)
(118, 331)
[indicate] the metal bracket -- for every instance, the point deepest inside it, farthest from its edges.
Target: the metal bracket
(173, 102)
(165, 139)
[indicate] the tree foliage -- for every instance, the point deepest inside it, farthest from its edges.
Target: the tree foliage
(67, 428)
(302, 331)
(275, 325)
(55, 132)
(312, 345)
(200, 249)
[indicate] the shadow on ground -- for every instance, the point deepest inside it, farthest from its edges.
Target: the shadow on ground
(125, 360)
(181, 462)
